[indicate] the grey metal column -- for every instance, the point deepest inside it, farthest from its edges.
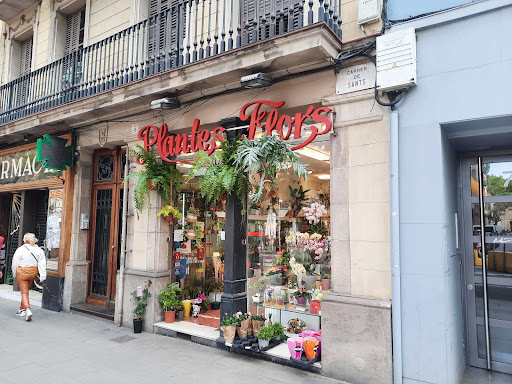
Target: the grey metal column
(484, 259)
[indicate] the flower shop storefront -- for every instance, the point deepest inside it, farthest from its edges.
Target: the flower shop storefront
(250, 218)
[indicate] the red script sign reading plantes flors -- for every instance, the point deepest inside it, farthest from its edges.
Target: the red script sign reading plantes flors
(204, 140)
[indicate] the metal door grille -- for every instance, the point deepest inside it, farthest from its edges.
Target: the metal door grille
(102, 241)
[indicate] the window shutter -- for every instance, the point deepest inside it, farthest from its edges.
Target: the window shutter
(75, 32)
(26, 56)
(161, 35)
(249, 6)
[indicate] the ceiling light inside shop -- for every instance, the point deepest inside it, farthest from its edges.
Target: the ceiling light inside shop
(324, 177)
(185, 165)
(314, 154)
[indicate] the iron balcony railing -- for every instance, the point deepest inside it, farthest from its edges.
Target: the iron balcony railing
(188, 32)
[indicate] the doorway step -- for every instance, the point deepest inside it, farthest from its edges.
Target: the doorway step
(94, 310)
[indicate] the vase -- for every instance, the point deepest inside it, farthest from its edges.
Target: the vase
(314, 307)
(301, 301)
(191, 218)
(263, 343)
(186, 308)
(169, 218)
(137, 325)
(229, 333)
(169, 316)
(310, 281)
(215, 305)
(326, 284)
(179, 314)
(277, 280)
(191, 235)
(295, 347)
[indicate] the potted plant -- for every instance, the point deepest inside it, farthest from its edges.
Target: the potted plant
(301, 296)
(169, 213)
(265, 334)
(170, 300)
(140, 298)
(228, 326)
(298, 199)
(258, 321)
(259, 286)
(277, 275)
(243, 324)
(154, 174)
(326, 278)
(278, 331)
(180, 311)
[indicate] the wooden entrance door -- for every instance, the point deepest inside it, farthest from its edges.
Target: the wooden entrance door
(105, 231)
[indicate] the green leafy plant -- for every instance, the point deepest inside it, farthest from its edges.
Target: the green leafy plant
(258, 317)
(229, 320)
(260, 286)
(300, 293)
(169, 210)
(227, 171)
(278, 329)
(266, 156)
(170, 298)
(325, 272)
(141, 302)
(221, 176)
(266, 333)
(299, 199)
(160, 175)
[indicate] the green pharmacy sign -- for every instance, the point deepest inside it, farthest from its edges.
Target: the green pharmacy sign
(54, 152)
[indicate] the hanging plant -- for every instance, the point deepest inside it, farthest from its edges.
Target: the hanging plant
(228, 170)
(267, 156)
(154, 174)
(221, 176)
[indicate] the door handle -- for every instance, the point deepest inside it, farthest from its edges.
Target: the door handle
(114, 246)
(470, 287)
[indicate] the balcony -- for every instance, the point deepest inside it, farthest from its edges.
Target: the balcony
(191, 32)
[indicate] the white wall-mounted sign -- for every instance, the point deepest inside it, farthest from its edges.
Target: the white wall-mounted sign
(355, 78)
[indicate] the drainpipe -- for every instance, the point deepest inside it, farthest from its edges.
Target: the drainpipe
(396, 304)
(123, 240)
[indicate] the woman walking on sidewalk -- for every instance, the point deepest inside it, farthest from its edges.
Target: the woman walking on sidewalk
(27, 262)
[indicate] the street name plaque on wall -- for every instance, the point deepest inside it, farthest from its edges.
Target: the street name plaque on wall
(22, 166)
(355, 78)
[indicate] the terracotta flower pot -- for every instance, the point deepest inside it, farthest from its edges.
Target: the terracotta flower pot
(153, 186)
(191, 235)
(170, 316)
(318, 284)
(229, 333)
(169, 218)
(326, 284)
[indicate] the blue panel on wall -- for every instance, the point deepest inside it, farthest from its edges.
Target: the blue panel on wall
(405, 9)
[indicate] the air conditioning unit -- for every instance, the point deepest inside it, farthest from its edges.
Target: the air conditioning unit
(396, 60)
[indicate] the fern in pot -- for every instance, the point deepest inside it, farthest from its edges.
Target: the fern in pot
(228, 171)
(155, 175)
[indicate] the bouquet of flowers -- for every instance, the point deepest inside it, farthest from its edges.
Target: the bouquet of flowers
(313, 243)
(314, 213)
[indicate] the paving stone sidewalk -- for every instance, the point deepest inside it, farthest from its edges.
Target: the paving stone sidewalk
(61, 348)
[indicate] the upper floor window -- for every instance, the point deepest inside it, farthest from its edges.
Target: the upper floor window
(75, 28)
(26, 56)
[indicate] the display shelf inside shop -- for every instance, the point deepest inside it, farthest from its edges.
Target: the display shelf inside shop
(283, 315)
(262, 217)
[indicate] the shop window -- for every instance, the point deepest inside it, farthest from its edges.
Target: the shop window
(288, 263)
